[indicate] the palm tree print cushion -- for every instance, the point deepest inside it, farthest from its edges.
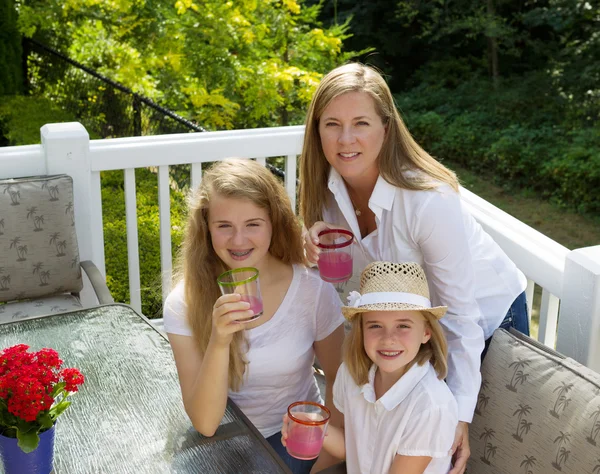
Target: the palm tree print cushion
(537, 412)
(38, 246)
(44, 306)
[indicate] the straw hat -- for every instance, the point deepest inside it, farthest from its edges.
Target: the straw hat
(386, 286)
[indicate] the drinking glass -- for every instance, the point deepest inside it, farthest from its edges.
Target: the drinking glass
(335, 259)
(307, 424)
(243, 281)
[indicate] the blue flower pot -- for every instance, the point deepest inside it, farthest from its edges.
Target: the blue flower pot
(39, 461)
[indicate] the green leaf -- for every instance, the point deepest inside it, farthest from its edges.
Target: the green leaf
(28, 440)
(59, 408)
(57, 389)
(45, 420)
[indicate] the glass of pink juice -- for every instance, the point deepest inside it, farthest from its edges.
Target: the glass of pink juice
(307, 424)
(335, 259)
(243, 281)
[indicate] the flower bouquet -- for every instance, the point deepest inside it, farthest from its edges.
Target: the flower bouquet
(34, 391)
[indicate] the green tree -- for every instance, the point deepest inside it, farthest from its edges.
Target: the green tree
(225, 65)
(11, 80)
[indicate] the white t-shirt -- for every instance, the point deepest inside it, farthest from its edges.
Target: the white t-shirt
(280, 351)
(466, 270)
(416, 417)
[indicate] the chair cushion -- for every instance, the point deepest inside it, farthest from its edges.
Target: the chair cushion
(38, 246)
(537, 412)
(47, 306)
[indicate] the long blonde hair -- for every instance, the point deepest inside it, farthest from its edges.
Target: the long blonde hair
(399, 152)
(358, 363)
(200, 265)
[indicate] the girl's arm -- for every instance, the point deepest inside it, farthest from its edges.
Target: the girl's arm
(329, 353)
(204, 380)
(409, 464)
(334, 442)
(203, 402)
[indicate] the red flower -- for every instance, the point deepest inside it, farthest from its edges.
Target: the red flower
(73, 379)
(49, 358)
(28, 381)
(14, 357)
(29, 397)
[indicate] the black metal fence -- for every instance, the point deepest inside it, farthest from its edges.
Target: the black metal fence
(106, 107)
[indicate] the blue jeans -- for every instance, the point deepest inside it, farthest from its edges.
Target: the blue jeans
(517, 317)
(297, 466)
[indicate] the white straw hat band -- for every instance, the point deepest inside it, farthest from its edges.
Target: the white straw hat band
(356, 300)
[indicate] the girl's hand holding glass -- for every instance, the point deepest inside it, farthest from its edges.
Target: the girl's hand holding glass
(304, 429)
(229, 312)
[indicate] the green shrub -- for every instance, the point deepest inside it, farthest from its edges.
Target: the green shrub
(115, 238)
(521, 133)
(21, 118)
(574, 176)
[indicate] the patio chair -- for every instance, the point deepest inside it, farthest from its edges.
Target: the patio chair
(40, 271)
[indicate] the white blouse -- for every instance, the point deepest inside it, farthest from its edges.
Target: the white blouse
(416, 417)
(466, 270)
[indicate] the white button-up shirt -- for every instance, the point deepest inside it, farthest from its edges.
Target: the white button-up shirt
(417, 416)
(466, 270)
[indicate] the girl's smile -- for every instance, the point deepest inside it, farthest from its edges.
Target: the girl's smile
(389, 354)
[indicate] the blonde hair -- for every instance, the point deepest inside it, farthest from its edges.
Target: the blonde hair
(399, 152)
(358, 363)
(199, 264)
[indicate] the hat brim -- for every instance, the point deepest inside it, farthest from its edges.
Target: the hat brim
(349, 311)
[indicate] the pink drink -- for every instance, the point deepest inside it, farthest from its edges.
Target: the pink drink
(304, 442)
(335, 266)
(256, 306)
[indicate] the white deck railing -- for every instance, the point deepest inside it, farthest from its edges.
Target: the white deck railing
(570, 310)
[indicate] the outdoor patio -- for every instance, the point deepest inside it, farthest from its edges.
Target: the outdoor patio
(570, 309)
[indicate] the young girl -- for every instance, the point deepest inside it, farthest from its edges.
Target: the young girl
(241, 217)
(400, 416)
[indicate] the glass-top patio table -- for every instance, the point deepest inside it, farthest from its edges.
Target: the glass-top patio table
(128, 416)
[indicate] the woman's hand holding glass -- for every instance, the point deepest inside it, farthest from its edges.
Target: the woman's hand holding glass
(226, 318)
(311, 240)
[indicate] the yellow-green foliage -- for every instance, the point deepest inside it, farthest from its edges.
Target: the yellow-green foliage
(21, 118)
(224, 64)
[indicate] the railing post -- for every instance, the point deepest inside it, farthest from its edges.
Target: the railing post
(66, 150)
(579, 317)
(137, 117)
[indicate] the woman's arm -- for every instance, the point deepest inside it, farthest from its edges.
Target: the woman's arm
(204, 380)
(441, 231)
(409, 464)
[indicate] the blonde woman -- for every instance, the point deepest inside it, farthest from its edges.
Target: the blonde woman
(240, 216)
(400, 416)
(360, 169)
